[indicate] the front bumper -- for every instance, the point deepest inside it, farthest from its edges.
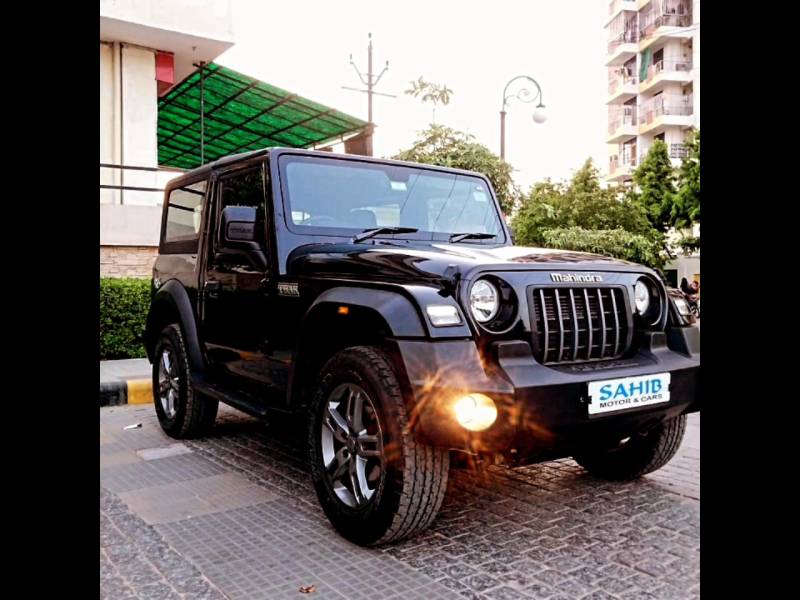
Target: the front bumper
(542, 411)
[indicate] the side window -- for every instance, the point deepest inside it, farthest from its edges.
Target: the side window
(184, 212)
(245, 188)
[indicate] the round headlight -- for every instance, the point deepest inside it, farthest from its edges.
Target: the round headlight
(484, 301)
(641, 297)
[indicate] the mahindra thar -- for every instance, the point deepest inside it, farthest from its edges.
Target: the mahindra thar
(386, 304)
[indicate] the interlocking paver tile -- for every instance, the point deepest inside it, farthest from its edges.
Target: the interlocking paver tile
(541, 531)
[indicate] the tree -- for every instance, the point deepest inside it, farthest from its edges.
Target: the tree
(579, 203)
(654, 188)
(582, 216)
(617, 242)
(446, 147)
(431, 92)
(686, 209)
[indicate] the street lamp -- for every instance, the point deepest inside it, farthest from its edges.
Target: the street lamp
(523, 95)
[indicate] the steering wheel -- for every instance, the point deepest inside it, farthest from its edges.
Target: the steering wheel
(321, 220)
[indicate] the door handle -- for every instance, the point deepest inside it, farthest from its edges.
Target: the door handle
(211, 288)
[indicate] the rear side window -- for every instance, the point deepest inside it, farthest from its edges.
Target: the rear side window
(184, 212)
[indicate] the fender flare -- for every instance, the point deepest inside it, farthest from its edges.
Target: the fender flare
(400, 314)
(173, 297)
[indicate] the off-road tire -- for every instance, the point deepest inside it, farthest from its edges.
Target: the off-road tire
(414, 477)
(642, 454)
(194, 413)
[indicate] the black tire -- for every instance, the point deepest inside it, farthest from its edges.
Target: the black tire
(412, 479)
(192, 414)
(643, 453)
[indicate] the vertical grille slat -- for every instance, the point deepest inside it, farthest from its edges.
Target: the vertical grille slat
(563, 325)
(616, 322)
(602, 321)
(575, 324)
(543, 312)
(560, 356)
(589, 323)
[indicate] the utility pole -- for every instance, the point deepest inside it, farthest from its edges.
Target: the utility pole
(370, 81)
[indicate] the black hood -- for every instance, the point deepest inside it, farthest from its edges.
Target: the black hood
(415, 261)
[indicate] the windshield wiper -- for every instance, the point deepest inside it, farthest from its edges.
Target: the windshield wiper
(457, 237)
(368, 233)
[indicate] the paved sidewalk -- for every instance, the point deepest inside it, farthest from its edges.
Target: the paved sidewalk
(121, 370)
(235, 516)
(125, 382)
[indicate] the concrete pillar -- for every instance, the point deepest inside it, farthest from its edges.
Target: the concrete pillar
(139, 122)
(107, 116)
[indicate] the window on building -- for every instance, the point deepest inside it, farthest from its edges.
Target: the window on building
(658, 59)
(184, 212)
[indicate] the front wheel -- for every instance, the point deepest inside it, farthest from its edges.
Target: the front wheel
(637, 455)
(375, 482)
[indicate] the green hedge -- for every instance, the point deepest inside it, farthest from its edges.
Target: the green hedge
(123, 312)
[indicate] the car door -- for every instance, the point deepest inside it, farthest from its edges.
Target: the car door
(236, 292)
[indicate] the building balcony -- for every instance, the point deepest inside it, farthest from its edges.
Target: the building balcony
(621, 168)
(622, 124)
(666, 111)
(664, 71)
(617, 6)
(664, 21)
(622, 88)
(622, 48)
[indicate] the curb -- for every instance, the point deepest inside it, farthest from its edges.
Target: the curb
(129, 391)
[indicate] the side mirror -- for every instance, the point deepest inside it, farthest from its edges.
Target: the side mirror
(240, 237)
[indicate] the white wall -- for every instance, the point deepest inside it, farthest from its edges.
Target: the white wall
(140, 120)
(190, 29)
(204, 18)
(106, 121)
(687, 266)
(128, 121)
(129, 225)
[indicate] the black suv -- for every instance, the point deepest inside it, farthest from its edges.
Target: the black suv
(386, 302)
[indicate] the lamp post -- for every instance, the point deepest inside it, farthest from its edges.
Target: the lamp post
(523, 95)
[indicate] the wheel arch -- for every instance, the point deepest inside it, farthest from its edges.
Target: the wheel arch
(345, 317)
(171, 304)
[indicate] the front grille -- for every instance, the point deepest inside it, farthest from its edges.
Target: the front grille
(578, 324)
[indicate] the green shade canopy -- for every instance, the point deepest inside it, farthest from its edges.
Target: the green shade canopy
(240, 114)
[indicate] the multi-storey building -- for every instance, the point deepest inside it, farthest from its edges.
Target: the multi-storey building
(163, 100)
(653, 65)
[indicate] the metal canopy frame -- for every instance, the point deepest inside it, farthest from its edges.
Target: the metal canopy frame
(216, 111)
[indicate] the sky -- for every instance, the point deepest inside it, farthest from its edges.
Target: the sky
(473, 47)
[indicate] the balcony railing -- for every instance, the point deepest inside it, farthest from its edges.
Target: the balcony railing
(614, 5)
(113, 187)
(630, 36)
(665, 105)
(667, 13)
(624, 160)
(622, 116)
(669, 66)
(621, 77)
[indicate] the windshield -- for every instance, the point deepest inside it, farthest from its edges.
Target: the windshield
(329, 196)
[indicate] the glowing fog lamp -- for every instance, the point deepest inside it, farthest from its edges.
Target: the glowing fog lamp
(475, 412)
